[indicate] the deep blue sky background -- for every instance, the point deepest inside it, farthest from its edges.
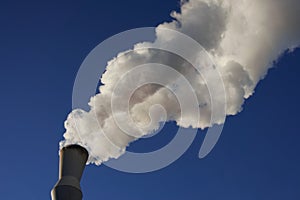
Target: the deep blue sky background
(42, 45)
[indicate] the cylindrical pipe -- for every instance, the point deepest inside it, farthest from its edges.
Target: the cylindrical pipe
(72, 163)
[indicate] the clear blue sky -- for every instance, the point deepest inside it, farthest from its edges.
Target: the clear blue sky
(42, 46)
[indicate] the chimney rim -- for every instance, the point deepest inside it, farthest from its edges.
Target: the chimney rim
(76, 146)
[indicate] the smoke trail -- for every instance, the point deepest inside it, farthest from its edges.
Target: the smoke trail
(244, 38)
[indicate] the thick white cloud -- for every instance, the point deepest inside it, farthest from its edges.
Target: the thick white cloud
(244, 37)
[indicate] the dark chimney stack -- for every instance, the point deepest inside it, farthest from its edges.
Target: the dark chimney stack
(72, 163)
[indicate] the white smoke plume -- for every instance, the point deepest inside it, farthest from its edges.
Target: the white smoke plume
(244, 38)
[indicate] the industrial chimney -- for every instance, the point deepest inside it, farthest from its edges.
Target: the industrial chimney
(72, 163)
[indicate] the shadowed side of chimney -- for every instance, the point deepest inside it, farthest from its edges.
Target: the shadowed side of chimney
(72, 163)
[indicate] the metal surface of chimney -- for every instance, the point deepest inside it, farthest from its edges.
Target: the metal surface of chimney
(72, 163)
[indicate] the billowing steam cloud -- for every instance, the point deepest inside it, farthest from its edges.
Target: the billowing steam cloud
(244, 38)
